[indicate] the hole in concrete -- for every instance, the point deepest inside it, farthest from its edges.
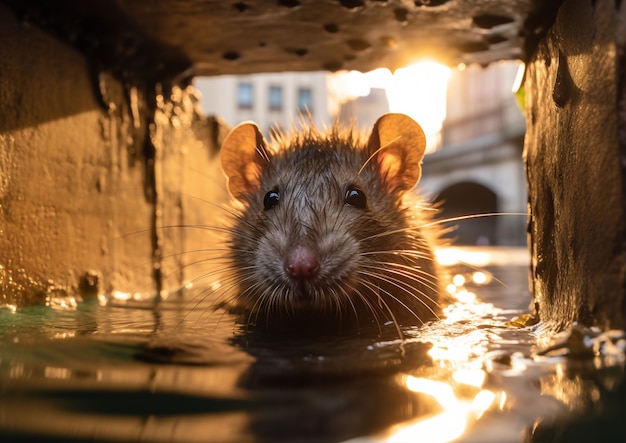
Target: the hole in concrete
(331, 27)
(488, 21)
(88, 284)
(401, 15)
(300, 52)
(430, 3)
(351, 4)
(495, 39)
(388, 41)
(289, 3)
(469, 47)
(241, 6)
(231, 55)
(332, 66)
(357, 44)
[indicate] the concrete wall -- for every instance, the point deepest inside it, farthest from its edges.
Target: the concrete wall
(80, 196)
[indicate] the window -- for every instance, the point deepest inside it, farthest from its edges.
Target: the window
(245, 95)
(276, 98)
(305, 100)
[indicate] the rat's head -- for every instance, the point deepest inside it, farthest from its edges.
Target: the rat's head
(324, 231)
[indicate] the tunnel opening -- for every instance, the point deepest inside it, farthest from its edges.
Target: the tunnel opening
(474, 201)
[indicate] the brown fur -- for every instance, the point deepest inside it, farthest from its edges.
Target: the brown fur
(376, 263)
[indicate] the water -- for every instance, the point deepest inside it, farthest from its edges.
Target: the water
(119, 369)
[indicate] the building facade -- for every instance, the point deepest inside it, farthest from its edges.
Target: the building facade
(273, 101)
(479, 169)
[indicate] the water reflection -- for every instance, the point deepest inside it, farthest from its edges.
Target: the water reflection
(443, 427)
(458, 411)
(127, 368)
(491, 382)
(459, 343)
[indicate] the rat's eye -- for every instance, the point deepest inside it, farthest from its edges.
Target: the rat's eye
(355, 197)
(271, 199)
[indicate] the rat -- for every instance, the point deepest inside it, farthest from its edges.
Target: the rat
(328, 229)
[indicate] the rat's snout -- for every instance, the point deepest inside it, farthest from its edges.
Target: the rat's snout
(301, 263)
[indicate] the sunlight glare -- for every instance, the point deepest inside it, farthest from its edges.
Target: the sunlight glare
(456, 415)
(480, 278)
(359, 84)
(420, 91)
(452, 256)
(482, 401)
(458, 280)
(461, 349)
(444, 427)
(470, 377)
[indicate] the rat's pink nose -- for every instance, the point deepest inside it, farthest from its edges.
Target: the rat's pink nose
(302, 263)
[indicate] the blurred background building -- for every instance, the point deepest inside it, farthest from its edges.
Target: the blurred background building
(478, 167)
(475, 162)
(272, 100)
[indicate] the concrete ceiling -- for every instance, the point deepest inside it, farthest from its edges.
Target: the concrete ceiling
(179, 38)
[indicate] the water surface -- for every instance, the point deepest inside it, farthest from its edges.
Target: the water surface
(124, 369)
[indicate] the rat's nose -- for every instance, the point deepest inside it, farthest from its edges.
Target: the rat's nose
(301, 263)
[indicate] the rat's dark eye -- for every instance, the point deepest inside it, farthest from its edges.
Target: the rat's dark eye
(355, 197)
(271, 199)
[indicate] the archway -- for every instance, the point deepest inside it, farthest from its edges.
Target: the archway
(469, 198)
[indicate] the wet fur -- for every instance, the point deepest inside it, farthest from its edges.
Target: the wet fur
(376, 264)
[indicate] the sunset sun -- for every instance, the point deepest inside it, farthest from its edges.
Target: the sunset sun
(418, 90)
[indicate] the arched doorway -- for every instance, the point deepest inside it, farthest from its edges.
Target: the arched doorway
(469, 198)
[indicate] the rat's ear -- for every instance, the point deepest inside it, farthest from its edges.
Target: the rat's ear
(396, 146)
(244, 155)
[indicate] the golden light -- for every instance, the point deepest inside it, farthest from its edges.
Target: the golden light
(457, 413)
(480, 278)
(419, 91)
(57, 373)
(359, 84)
(458, 280)
(451, 288)
(450, 352)
(482, 402)
(444, 427)
(470, 256)
(470, 377)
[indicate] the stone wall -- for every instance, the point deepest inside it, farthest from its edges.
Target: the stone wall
(575, 166)
(82, 200)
